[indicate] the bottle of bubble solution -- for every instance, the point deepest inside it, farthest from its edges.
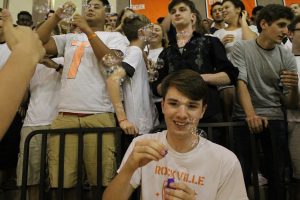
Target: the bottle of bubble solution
(170, 180)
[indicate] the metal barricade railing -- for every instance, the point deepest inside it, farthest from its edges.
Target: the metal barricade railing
(230, 126)
(62, 133)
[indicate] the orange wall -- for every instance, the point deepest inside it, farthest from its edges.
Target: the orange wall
(153, 9)
(249, 4)
(288, 2)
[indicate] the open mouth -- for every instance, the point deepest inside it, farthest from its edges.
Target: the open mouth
(181, 124)
(90, 14)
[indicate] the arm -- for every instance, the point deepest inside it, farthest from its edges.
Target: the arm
(225, 72)
(52, 64)
(14, 79)
(247, 33)
(255, 123)
(99, 48)
(120, 187)
(18, 70)
(113, 88)
(45, 30)
(220, 78)
(289, 80)
(166, 23)
(143, 152)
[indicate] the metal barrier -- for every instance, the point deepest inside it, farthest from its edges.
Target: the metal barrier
(62, 133)
(229, 126)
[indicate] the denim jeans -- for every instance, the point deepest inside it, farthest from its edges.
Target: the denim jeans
(276, 160)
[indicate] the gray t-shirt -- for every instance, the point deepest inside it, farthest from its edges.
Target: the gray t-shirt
(260, 70)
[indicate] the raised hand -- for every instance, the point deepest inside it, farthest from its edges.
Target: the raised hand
(144, 152)
(22, 37)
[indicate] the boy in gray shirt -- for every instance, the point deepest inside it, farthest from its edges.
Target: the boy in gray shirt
(267, 82)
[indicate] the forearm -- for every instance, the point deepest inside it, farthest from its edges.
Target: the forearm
(120, 187)
(14, 79)
(166, 23)
(220, 78)
(247, 33)
(99, 48)
(290, 101)
(245, 99)
(44, 31)
(113, 87)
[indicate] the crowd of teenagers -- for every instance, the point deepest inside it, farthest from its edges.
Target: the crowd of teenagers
(102, 69)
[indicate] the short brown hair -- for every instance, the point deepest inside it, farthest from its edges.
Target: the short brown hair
(132, 24)
(188, 82)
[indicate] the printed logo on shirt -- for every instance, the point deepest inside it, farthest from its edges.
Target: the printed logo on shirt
(180, 175)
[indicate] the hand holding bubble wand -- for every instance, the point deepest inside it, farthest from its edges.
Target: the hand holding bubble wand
(180, 173)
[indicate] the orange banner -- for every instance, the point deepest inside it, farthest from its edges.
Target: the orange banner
(153, 9)
(289, 2)
(249, 5)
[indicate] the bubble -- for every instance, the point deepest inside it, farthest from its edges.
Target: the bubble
(143, 123)
(182, 34)
(182, 37)
(160, 63)
(155, 75)
(147, 33)
(153, 67)
(41, 8)
(69, 9)
(112, 62)
(193, 129)
(86, 5)
(113, 59)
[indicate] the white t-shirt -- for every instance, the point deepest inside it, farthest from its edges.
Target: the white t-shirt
(237, 37)
(86, 93)
(210, 169)
(288, 45)
(139, 106)
(294, 115)
(44, 95)
(4, 54)
(153, 55)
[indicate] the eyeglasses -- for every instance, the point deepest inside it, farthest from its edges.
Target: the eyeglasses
(94, 6)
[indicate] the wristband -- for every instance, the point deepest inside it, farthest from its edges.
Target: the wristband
(91, 36)
(60, 66)
(122, 120)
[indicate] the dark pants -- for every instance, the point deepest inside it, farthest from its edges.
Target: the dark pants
(276, 157)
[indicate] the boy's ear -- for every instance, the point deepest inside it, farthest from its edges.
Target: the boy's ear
(263, 24)
(193, 18)
(141, 32)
